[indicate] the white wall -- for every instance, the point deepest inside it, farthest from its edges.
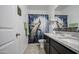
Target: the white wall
(51, 17)
(37, 9)
(10, 24)
(51, 11)
(37, 12)
(21, 19)
(59, 13)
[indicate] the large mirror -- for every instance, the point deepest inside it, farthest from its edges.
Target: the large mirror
(67, 18)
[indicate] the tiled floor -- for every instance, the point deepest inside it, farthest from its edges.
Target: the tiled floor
(34, 49)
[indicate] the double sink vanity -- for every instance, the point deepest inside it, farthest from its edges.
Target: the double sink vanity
(61, 43)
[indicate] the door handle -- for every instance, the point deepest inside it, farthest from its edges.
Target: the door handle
(18, 34)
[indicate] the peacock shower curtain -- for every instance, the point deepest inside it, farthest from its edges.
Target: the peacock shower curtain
(38, 25)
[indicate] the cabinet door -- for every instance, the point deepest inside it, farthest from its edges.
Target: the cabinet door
(60, 48)
(46, 47)
(52, 50)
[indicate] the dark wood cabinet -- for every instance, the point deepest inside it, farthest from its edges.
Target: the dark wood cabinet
(60, 48)
(53, 47)
(52, 50)
(46, 44)
(46, 47)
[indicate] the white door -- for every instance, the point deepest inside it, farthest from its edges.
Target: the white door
(8, 41)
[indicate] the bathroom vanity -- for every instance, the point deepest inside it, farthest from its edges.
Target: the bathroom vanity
(61, 43)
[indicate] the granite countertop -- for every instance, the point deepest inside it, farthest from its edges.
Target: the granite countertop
(67, 40)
